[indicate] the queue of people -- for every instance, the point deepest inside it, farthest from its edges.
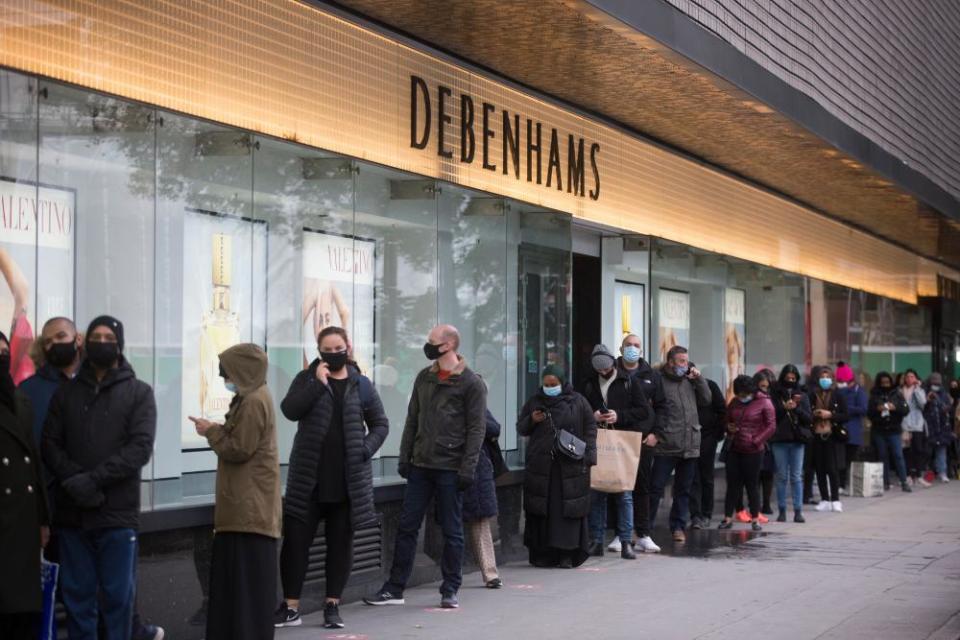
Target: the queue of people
(92, 423)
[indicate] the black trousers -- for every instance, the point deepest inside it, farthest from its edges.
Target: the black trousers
(297, 538)
(243, 587)
(917, 455)
(851, 452)
(824, 454)
(641, 493)
(743, 470)
(701, 493)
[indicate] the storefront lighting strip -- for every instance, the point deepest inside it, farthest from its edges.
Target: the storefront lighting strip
(293, 71)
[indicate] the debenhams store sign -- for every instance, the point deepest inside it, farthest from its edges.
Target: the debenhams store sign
(498, 140)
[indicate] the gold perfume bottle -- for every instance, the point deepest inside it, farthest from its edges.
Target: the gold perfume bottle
(219, 330)
(624, 315)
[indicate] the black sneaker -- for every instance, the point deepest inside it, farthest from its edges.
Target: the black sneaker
(756, 526)
(725, 524)
(284, 616)
(782, 516)
(496, 583)
(596, 549)
(696, 524)
(449, 601)
(383, 597)
(331, 616)
(906, 487)
(626, 551)
(798, 516)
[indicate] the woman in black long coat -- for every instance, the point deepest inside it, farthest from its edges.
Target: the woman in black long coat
(23, 511)
(556, 489)
(480, 508)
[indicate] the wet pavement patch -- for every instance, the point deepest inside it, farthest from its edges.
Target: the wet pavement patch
(716, 544)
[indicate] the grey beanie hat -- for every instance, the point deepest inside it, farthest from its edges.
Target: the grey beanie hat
(602, 359)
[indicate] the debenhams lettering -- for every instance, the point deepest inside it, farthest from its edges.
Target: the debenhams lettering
(478, 129)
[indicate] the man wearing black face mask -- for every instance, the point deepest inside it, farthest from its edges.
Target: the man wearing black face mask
(445, 428)
(97, 437)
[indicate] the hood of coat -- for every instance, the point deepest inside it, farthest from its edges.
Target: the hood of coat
(88, 375)
(246, 366)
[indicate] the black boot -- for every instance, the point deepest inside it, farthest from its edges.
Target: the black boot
(626, 551)
(798, 516)
(782, 517)
(596, 549)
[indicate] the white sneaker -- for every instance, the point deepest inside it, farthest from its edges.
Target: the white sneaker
(944, 479)
(615, 545)
(923, 482)
(647, 545)
(837, 507)
(825, 505)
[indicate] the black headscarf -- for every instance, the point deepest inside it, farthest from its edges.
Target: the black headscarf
(7, 389)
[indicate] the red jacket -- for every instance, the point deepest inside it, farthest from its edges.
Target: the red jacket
(756, 421)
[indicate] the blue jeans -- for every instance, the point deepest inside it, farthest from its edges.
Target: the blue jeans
(98, 562)
(598, 515)
(887, 443)
(940, 459)
(789, 459)
(663, 466)
(422, 486)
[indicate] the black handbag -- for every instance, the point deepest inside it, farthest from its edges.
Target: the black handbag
(496, 458)
(840, 434)
(725, 450)
(801, 433)
(567, 444)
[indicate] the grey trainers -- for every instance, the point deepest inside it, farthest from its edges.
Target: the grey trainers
(449, 601)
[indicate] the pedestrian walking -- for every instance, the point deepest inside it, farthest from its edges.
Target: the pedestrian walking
(939, 425)
(886, 410)
(829, 416)
(632, 363)
(790, 439)
(751, 421)
(341, 424)
(556, 483)
(618, 403)
(915, 426)
(97, 437)
(25, 523)
(856, 398)
(677, 437)
(439, 450)
(480, 504)
(712, 430)
(246, 517)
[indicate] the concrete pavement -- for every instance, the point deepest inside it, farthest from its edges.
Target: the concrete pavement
(886, 568)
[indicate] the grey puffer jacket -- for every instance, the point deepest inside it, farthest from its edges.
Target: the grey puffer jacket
(446, 421)
(679, 435)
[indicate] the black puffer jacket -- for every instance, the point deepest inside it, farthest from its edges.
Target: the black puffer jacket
(365, 427)
(713, 416)
(793, 422)
(480, 498)
(624, 396)
(652, 385)
(104, 430)
(572, 412)
(892, 421)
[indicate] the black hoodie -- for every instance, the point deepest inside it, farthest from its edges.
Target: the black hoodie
(652, 385)
(891, 422)
(105, 430)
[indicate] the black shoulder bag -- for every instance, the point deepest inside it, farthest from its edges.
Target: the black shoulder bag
(565, 443)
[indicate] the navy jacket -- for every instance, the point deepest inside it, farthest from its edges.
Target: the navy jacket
(480, 498)
(856, 399)
(39, 389)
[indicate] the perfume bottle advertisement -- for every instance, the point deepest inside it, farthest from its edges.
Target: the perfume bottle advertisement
(224, 267)
(734, 339)
(37, 231)
(673, 320)
(628, 311)
(339, 273)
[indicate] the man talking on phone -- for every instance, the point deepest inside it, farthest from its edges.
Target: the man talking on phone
(618, 402)
(677, 438)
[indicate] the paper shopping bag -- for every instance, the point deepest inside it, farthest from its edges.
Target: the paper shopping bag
(618, 457)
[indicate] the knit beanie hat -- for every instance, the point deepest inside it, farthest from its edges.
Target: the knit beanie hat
(601, 358)
(844, 372)
(110, 323)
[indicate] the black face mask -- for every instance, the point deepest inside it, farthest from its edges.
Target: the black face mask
(103, 355)
(432, 351)
(789, 384)
(335, 360)
(885, 388)
(61, 354)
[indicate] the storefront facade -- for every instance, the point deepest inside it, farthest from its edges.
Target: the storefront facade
(208, 182)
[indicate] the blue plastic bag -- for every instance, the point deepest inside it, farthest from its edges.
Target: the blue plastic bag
(49, 574)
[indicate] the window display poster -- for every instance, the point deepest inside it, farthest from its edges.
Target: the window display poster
(673, 317)
(339, 273)
(225, 266)
(628, 313)
(734, 324)
(37, 227)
